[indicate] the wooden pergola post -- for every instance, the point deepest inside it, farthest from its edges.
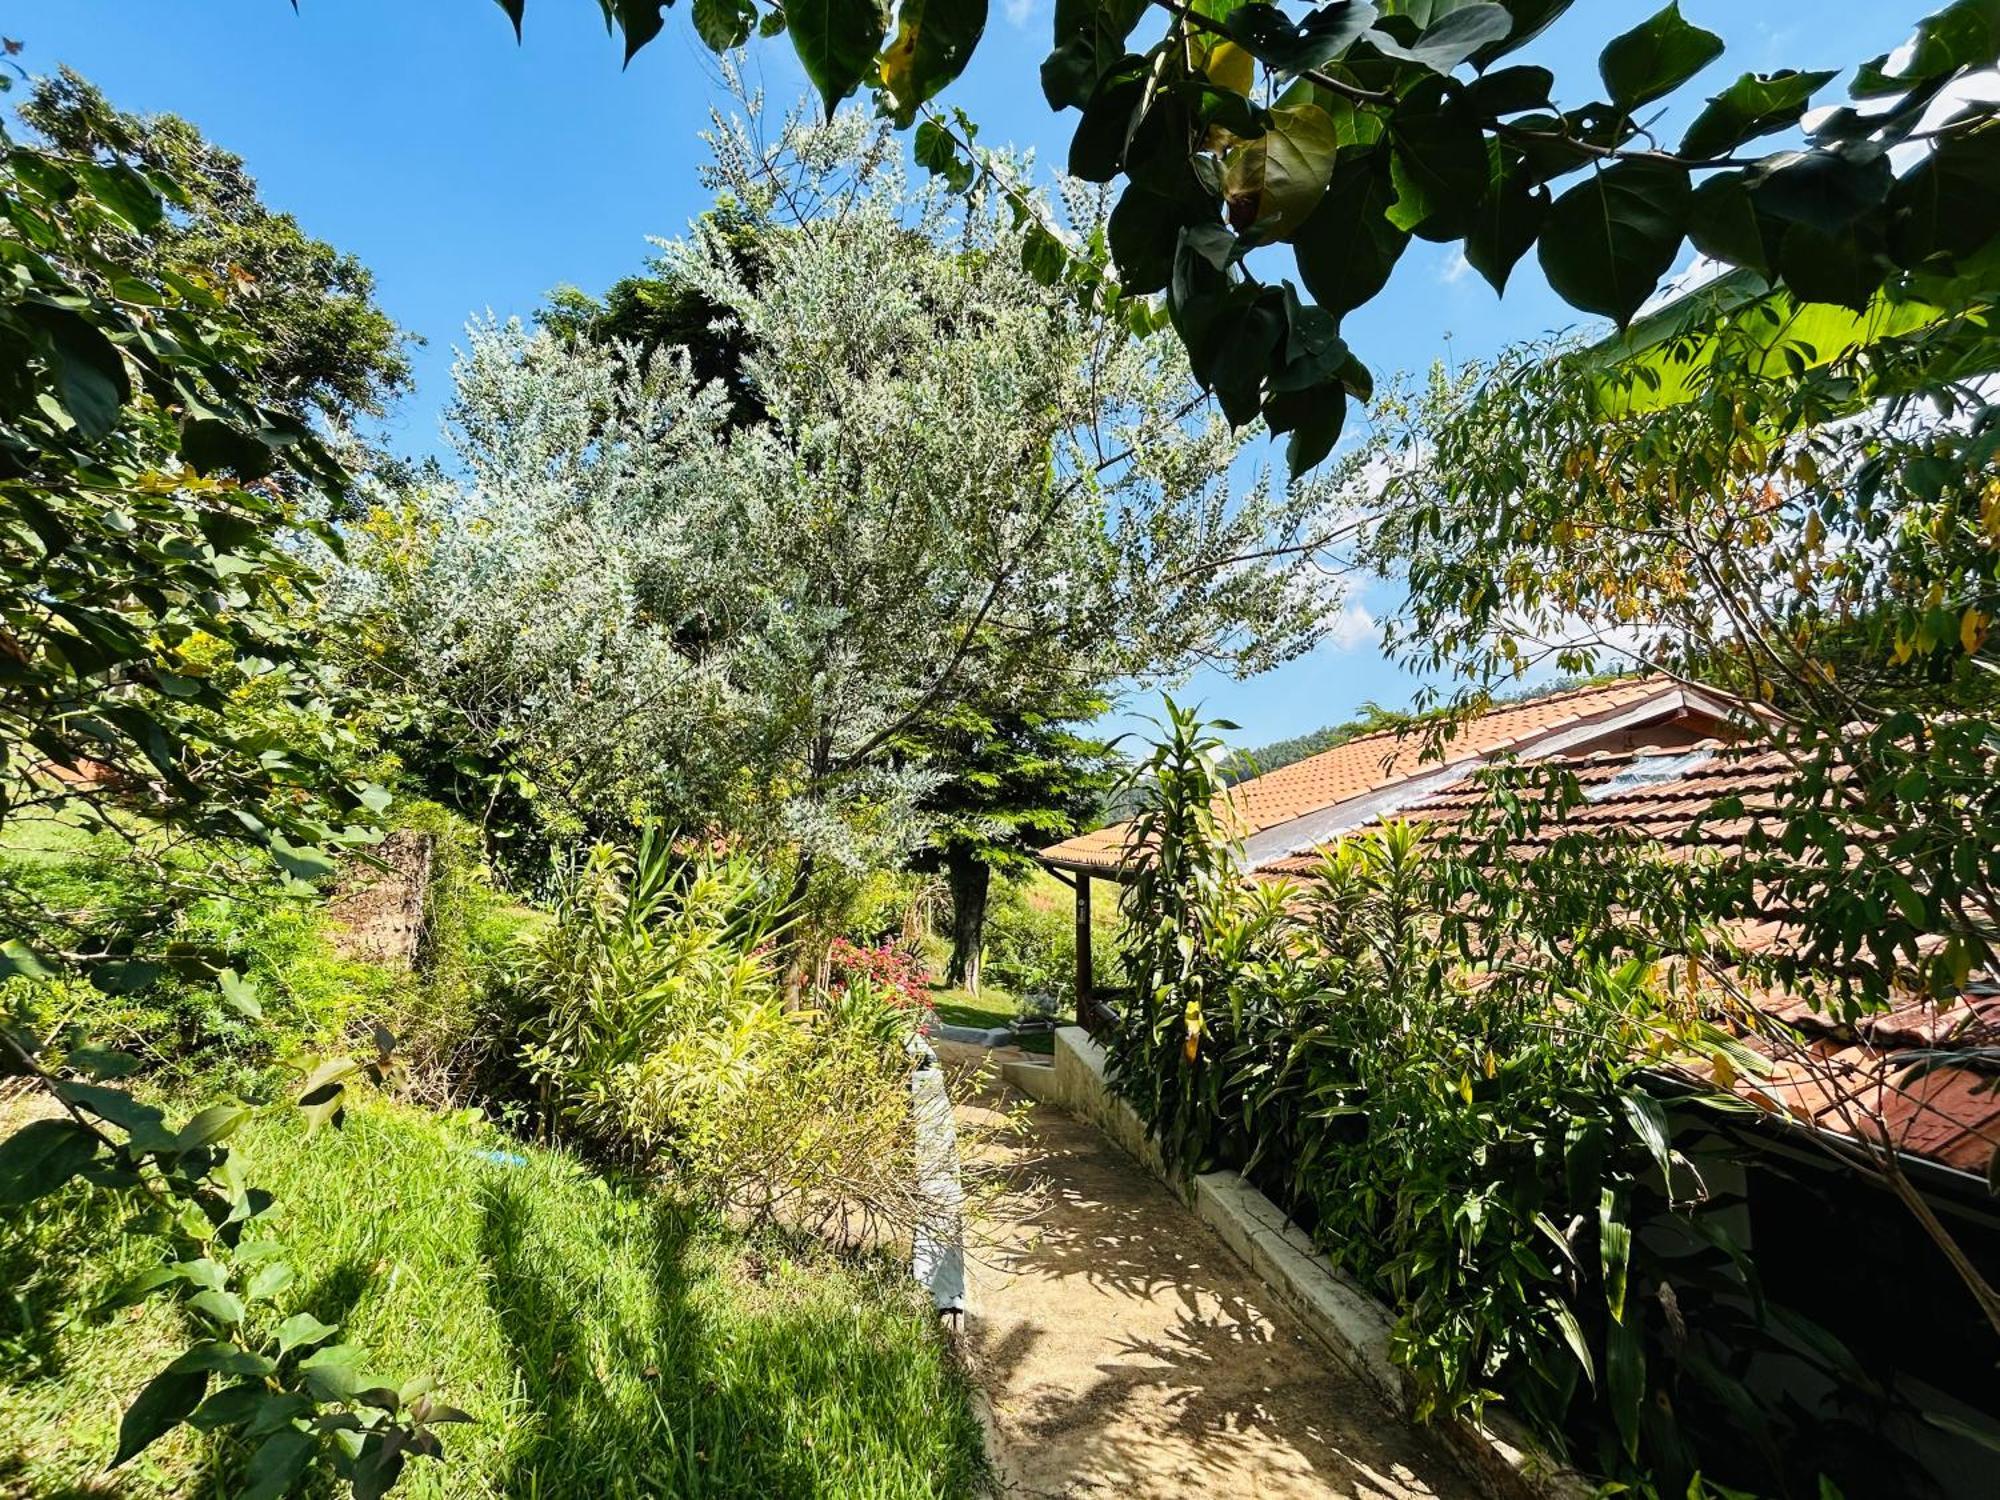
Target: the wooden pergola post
(1086, 1007)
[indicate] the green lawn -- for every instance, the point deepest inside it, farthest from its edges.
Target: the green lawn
(606, 1344)
(992, 1006)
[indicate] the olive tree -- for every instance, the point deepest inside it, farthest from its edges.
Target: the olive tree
(964, 487)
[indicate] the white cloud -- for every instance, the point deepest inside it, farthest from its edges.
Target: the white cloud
(1020, 12)
(1352, 628)
(1454, 268)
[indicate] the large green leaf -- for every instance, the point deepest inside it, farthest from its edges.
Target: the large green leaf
(1451, 40)
(1270, 36)
(163, 1404)
(1142, 233)
(934, 41)
(1090, 40)
(1949, 204)
(1097, 150)
(90, 376)
(40, 1157)
(1610, 239)
(1962, 35)
(1439, 164)
(1347, 247)
(836, 41)
(277, 1464)
(725, 24)
(1655, 58)
(1509, 218)
(1274, 182)
(1755, 104)
(1530, 19)
(639, 20)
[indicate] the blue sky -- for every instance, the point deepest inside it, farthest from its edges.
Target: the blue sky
(472, 174)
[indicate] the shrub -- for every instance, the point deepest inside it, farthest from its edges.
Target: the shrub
(894, 974)
(655, 1024)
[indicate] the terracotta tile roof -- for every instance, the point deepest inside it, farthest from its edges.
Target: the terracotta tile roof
(1876, 1071)
(1375, 762)
(1667, 810)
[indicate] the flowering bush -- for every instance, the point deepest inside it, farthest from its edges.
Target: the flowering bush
(899, 977)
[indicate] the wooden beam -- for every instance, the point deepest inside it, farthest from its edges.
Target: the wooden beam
(1085, 1006)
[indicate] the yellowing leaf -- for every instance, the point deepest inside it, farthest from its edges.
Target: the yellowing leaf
(1972, 630)
(1229, 67)
(1278, 179)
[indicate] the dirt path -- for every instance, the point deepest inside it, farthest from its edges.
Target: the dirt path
(1124, 1351)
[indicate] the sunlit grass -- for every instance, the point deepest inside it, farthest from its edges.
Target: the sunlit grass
(607, 1344)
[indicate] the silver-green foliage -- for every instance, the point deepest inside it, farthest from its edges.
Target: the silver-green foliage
(965, 486)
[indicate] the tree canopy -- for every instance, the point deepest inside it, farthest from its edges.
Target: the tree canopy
(327, 349)
(966, 487)
(1376, 124)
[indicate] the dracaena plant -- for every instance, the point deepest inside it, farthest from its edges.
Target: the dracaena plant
(1332, 136)
(146, 493)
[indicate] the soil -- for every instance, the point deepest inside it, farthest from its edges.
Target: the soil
(1122, 1349)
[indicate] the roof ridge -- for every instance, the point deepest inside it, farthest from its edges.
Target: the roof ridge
(1405, 730)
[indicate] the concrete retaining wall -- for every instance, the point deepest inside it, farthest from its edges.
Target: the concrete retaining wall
(1350, 1322)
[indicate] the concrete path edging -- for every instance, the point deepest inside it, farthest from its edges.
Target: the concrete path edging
(1498, 1454)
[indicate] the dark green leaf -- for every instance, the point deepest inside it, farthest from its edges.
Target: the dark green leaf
(836, 41)
(1268, 34)
(513, 9)
(1655, 58)
(1347, 247)
(1609, 240)
(1142, 233)
(333, 1373)
(231, 1406)
(277, 1464)
(1625, 1380)
(102, 1063)
(211, 446)
(1825, 189)
(639, 20)
(1649, 1122)
(1508, 92)
(1530, 19)
(213, 1124)
(937, 152)
(1090, 40)
(1724, 224)
(40, 1157)
(1755, 104)
(1097, 150)
(165, 1402)
(90, 377)
(1450, 40)
(1965, 34)
(301, 1330)
(1439, 164)
(724, 25)
(1949, 204)
(1508, 221)
(934, 41)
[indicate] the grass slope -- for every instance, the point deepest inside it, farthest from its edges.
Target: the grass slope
(606, 1344)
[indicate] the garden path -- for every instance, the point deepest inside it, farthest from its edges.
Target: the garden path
(1121, 1349)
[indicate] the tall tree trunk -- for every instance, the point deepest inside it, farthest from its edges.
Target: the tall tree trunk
(798, 958)
(969, 878)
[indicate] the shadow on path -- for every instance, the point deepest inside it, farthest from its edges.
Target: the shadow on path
(1124, 1350)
